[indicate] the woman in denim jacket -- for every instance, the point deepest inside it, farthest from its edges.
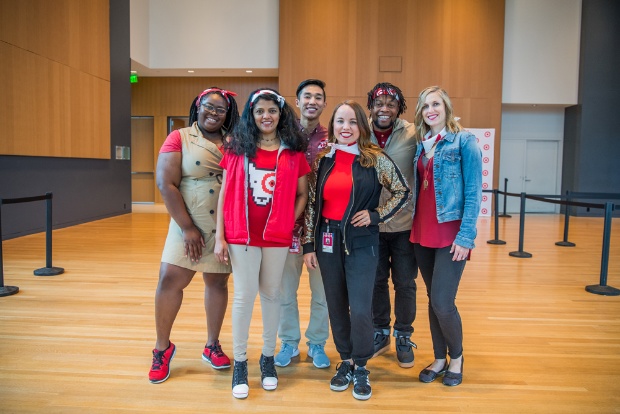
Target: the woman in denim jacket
(448, 188)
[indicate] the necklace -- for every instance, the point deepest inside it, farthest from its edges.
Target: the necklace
(429, 163)
(426, 169)
(269, 140)
(431, 151)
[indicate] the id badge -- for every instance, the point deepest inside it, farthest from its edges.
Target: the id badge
(328, 242)
(294, 245)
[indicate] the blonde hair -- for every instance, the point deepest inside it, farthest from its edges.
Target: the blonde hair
(421, 127)
(368, 150)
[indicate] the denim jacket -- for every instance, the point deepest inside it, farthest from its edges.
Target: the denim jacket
(457, 173)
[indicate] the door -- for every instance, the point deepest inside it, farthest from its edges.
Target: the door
(142, 160)
(541, 166)
(177, 122)
(531, 166)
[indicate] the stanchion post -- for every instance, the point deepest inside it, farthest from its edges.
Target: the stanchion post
(496, 240)
(520, 253)
(602, 288)
(505, 198)
(48, 270)
(4, 290)
(565, 242)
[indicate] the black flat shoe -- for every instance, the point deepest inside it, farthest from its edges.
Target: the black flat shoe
(427, 375)
(452, 379)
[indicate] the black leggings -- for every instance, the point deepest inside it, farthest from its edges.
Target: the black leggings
(442, 276)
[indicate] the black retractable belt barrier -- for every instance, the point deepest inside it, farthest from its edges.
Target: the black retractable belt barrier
(48, 270)
(4, 290)
(496, 240)
(602, 288)
(520, 253)
(565, 242)
(505, 198)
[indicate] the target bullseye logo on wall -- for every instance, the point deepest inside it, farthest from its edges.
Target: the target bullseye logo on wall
(486, 141)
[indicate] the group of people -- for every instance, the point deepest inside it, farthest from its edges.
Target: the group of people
(358, 202)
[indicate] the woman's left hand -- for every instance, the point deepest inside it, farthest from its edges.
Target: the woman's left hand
(460, 252)
(361, 219)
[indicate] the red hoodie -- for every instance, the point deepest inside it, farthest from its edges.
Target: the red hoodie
(279, 227)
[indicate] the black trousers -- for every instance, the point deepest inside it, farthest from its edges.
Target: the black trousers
(396, 257)
(442, 277)
(349, 281)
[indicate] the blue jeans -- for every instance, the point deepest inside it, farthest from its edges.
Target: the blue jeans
(318, 326)
(442, 277)
(396, 256)
(349, 280)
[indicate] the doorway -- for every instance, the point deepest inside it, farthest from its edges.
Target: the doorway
(142, 160)
(531, 166)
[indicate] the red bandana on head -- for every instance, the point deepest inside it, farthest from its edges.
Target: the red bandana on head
(226, 94)
(385, 91)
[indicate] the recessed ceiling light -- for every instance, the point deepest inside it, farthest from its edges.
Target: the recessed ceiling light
(248, 71)
(190, 71)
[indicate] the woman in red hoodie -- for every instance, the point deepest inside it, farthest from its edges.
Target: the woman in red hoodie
(264, 188)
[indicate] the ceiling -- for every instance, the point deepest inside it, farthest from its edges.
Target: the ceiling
(199, 73)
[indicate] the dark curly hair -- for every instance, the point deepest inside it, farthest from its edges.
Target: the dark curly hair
(245, 137)
(400, 98)
(232, 115)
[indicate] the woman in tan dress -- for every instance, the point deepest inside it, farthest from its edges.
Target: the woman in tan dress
(189, 178)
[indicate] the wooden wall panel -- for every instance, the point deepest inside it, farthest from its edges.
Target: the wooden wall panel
(74, 33)
(55, 64)
(164, 97)
(455, 44)
(70, 107)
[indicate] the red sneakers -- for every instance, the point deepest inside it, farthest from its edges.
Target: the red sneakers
(160, 370)
(214, 355)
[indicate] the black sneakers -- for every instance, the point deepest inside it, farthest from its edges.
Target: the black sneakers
(382, 341)
(361, 384)
(342, 379)
(404, 351)
(268, 374)
(240, 379)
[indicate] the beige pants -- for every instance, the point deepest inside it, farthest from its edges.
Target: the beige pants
(256, 270)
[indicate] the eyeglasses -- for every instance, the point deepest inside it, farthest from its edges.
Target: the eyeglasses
(211, 108)
(379, 105)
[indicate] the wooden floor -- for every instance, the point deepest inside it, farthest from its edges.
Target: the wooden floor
(80, 342)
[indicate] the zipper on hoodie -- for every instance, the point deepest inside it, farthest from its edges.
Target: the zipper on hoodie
(275, 177)
(317, 220)
(246, 167)
(344, 228)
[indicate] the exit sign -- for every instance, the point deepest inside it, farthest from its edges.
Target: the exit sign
(133, 78)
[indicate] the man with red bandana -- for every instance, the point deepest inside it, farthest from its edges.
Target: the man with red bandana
(396, 258)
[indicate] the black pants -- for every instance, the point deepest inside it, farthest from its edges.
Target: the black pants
(349, 281)
(396, 256)
(442, 277)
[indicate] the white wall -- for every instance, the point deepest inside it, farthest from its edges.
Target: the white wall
(139, 31)
(531, 153)
(213, 34)
(541, 52)
(532, 122)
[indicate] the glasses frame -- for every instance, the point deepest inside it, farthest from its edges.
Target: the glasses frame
(210, 108)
